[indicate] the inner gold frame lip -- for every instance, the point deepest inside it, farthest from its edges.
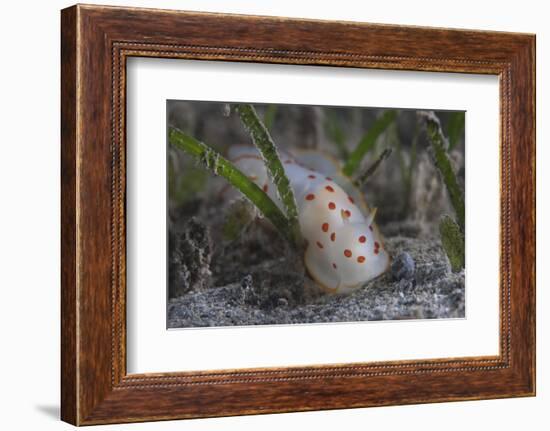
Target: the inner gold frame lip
(124, 50)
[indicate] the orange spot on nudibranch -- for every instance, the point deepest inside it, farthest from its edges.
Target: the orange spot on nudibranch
(334, 265)
(347, 213)
(328, 178)
(329, 188)
(361, 259)
(333, 236)
(362, 239)
(310, 197)
(351, 199)
(265, 188)
(376, 244)
(331, 205)
(347, 253)
(311, 176)
(370, 227)
(319, 245)
(325, 227)
(376, 250)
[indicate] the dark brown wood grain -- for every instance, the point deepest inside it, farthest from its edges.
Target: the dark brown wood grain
(68, 217)
(96, 41)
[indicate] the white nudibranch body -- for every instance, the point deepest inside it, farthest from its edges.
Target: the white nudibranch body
(344, 248)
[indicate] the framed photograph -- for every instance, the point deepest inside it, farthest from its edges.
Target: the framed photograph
(264, 215)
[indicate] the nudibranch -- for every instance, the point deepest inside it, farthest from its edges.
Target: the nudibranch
(344, 247)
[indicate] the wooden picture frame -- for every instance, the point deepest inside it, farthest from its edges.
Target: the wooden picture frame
(96, 41)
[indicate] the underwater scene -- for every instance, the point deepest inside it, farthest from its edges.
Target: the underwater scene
(294, 214)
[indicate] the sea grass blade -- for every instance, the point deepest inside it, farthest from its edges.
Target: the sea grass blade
(455, 128)
(452, 240)
(269, 116)
(217, 164)
(336, 134)
(240, 216)
(439, 146)
(367, 142)
(363, 178)
(264, 143)
(408, 179)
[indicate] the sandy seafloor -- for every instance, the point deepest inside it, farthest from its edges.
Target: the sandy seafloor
(266, 290)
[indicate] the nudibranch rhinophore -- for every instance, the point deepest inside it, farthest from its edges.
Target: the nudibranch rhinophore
(344, 248)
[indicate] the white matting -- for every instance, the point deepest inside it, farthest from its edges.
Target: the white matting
(153, 348)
